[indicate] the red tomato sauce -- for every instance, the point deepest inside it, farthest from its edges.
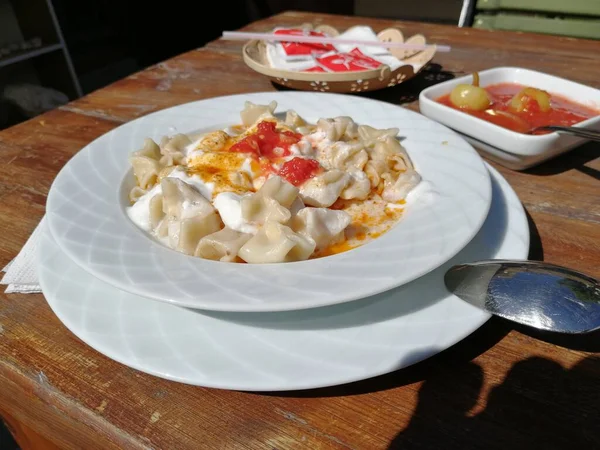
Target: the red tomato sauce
(267, 142)
(562, 110)
(299, 170)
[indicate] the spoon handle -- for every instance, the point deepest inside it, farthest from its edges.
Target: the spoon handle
(581, 132)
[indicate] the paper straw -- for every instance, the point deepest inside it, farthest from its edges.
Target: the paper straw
(243, 36)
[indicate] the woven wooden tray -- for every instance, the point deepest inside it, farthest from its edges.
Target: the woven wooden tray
(254, 53)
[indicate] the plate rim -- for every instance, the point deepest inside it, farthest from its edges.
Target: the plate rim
(477, 323)
(285, 305)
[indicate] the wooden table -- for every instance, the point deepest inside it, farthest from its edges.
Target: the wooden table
(502, 387)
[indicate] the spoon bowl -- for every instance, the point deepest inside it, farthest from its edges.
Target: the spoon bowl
(532, 293)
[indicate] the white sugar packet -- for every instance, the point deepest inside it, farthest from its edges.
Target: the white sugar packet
(362, 33)
(274, 56)
(278, 59)
(21, 273)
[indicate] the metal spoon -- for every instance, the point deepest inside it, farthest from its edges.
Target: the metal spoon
(581, 132)
(537, 294)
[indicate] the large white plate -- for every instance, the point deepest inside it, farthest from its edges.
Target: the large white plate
(285, 350)
(86, 215)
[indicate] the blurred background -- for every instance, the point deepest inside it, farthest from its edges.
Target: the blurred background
(53, 51)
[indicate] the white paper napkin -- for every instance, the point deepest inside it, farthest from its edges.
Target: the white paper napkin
(21, 273)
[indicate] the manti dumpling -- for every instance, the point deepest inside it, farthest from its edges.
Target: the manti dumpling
(390, 150)
(189, 215)
(324, 226)
(397, 188)
(343, 155)
(252, 113)
(292, 119)
(146, 166)
(358, 186)
(172, 149)
(271, 202)
(338, 128)
(324, 189)
(275, 243)
(223, 245)
(369, 135)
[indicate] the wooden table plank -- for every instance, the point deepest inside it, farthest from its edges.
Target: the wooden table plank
(502, 386)
(193, 76)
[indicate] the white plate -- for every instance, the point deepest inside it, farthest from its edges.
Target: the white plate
(286, 350)
(86, 214)
(514, 150)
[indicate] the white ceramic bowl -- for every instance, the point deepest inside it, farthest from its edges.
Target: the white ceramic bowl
(509, 148)
(86, 213)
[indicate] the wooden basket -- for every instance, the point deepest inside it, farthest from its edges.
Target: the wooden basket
(254, 53)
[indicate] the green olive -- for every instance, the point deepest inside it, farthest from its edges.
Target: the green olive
(522, 100)
(469, 96)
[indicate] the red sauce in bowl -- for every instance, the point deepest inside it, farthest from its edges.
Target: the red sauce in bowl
(562, 110)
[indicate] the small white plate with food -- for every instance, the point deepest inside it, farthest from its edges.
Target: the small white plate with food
(269, 201)
(497, 110)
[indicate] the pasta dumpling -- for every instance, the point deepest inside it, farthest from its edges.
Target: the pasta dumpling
(292, 119)
(324, 189)
(276, 243)
(182, 200)
(190, 231)
(150, 150)
(343, 155)
(338, 128)
(173, 149)
(389, 149)
(222, 245)
(157, 213)
(397, 189)
(259, 209)
(359, 186)
(370, 135)
(324, 226)
(280, 190)
(145, 171)
(165, 172)
(136, 193)
(252, 113)
(189, 215)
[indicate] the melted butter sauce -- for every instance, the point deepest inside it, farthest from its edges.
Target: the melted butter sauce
(370, 219)
(223, 169)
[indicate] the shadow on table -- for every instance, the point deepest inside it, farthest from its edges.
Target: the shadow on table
(540, 404)
(588, 342)
(452, 363)
(488, 335)
(409, 90)
(574, 159)
(536, 250)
